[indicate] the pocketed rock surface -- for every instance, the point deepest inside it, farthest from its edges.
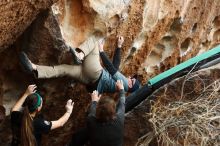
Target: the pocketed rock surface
(159, 34)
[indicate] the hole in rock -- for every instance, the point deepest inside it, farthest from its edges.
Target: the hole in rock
(216, 21)
(160, 52)
(167, 38)
(113, 23)
(114, 20)
(205, 44)
(139, 41)
(169, 43)
(176, 25)
(216, 35)
(154, 58)
(194, 27)
(137, 44)
(186, 46)
(132, 51)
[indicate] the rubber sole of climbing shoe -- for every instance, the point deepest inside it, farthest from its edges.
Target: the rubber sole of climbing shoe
(26, 63)
(76, 60)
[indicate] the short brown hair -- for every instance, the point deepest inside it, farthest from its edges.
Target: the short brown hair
(105, 110)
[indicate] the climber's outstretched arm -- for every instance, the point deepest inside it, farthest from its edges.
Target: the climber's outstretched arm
(18, 105)
(117, 55)
(106, 61)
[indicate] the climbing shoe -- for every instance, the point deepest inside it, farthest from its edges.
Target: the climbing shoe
(76, 60)
(26, 63)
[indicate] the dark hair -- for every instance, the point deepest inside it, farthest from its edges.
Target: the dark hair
(106, 109)
(27, 136)
(33, 101)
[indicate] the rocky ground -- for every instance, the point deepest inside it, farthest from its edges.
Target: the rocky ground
(159, 34)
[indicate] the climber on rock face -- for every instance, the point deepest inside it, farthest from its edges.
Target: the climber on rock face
(88, 69)
(105, 122)
(27, 125)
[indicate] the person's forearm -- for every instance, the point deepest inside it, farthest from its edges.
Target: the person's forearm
(107, 63)
(121, 102)
(61, 121)
(92, 110)
(18, 104)
(122, 96)
(117, 58)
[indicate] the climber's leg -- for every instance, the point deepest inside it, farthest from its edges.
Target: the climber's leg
(88, 46)
(92, 68)
(83, 50)
(74, 71)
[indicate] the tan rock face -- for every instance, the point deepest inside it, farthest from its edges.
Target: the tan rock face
(81, 19)
(76, 24)
(172, 32)
(164, 32)
(159, 34)
(16, 16)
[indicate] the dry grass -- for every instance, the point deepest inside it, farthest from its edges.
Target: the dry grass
(188, 123)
